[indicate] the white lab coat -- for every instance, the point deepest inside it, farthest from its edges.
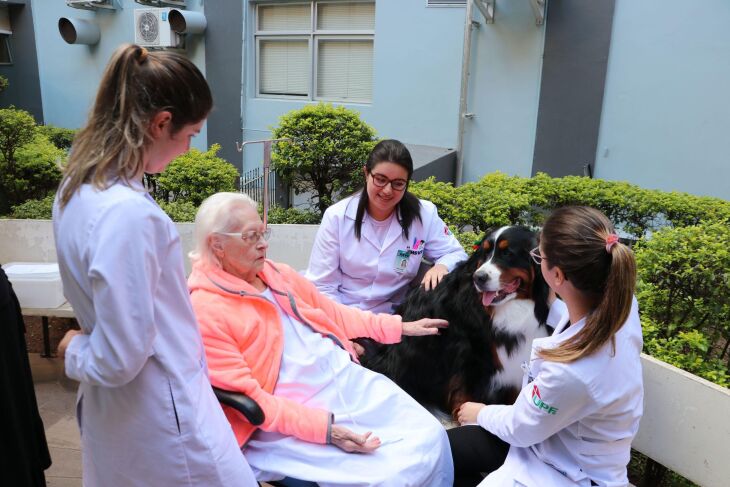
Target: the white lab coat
(366, 274)
(573, 423)
(146, 411)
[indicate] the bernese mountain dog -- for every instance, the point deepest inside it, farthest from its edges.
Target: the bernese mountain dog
(496, 302)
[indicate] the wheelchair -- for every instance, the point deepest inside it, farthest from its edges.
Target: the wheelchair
(255, 415)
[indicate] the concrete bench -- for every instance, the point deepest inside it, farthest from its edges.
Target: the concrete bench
(686, 424)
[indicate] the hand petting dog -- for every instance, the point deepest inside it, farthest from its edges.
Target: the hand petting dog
(434, 276)
(424, 327)
(468, 412)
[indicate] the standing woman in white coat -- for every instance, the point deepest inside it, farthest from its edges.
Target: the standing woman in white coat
(369, 246)
(145, 409)
(579, 409)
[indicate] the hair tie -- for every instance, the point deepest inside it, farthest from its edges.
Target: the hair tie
(611, 240)
(143, 52)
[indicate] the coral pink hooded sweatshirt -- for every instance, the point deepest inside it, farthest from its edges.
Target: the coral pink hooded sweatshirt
(243, 339)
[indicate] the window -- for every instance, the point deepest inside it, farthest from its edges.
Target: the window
(5, 31)
(315, 50)
(5, 57)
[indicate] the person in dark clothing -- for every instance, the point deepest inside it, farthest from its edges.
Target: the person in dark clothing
(22, 438)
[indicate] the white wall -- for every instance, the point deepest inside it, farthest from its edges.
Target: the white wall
(70, 74)
(32, 241)
(504, 92)
(666, 106)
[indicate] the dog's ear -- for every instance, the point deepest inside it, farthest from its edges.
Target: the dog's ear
(540, 289)
(540, 293)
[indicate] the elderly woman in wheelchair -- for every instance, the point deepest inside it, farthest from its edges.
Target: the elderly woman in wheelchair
(269, 334)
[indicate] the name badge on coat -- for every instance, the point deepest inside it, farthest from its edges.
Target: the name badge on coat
(401, 261)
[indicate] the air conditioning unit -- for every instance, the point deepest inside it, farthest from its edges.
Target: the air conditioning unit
(152, 28)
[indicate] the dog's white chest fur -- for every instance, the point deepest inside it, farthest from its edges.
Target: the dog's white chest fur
(516, 318)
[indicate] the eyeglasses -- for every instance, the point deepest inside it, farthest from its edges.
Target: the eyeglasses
(251, 237)
(536, 257)
(381, 181)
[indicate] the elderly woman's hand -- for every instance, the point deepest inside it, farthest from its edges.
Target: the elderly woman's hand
(349, 441)
(425, 326)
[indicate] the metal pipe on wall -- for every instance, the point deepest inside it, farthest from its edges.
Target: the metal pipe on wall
(469, 24)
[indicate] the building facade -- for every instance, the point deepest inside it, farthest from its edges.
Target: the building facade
(632, 90)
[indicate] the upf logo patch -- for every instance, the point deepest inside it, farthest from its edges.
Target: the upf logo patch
(539, 404)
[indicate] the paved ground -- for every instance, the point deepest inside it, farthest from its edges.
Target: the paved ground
(56, 397)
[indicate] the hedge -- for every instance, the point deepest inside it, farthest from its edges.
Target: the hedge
(499, 199)
(684, 295)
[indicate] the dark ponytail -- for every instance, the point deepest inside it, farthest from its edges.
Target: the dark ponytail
(409, 207)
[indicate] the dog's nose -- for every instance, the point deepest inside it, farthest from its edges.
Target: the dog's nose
(480, 278)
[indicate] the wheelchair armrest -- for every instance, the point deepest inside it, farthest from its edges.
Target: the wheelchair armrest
(241, 403)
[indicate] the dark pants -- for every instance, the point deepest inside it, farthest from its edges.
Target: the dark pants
(476, 452)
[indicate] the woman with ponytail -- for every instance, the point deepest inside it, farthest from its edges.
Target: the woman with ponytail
(579, 409)
(145, 408)
(369, 246)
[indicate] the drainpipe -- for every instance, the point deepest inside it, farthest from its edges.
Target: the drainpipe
(469, 24)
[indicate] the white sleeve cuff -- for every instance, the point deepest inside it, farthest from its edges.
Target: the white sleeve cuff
(72, 358)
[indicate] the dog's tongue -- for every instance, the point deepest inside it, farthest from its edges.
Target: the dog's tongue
(488, 297)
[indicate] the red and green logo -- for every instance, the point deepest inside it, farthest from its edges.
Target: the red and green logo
(538, 402)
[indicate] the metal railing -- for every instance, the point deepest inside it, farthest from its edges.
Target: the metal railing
(252, 183)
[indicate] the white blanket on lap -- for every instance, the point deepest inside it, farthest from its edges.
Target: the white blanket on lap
(318, 373)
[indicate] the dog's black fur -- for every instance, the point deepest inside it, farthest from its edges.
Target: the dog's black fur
(460, 363)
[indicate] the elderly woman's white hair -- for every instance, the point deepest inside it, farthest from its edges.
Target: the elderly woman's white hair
(218, 213)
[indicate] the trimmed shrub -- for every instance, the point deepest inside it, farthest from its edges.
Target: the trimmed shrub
(498, 199)
(193, 176)
(328, 148)
(279, 215)
(59, 136)
(37, 209)
(684, 292)
(17, 128)
(35, 173)
(179, 211)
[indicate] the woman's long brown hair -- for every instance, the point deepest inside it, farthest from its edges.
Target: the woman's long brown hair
(574, 238)
(136, 85)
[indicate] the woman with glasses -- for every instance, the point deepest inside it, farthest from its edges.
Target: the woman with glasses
(369, 246)
(582, 397)
(270, 334)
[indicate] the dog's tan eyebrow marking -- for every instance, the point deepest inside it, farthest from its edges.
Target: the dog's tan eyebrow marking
(503, 244)
(486, 245)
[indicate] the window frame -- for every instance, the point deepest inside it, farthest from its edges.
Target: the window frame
(314, 35)
(5, 40)
(447, 4)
